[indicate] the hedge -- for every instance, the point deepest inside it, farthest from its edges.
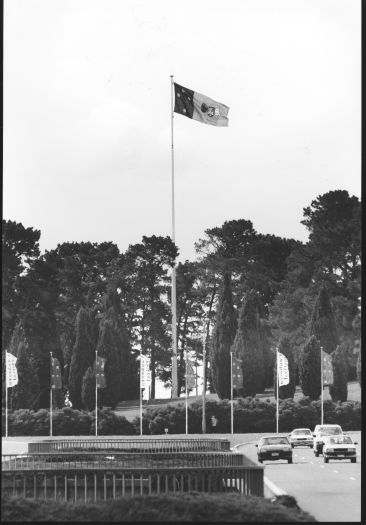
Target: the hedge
(250, 415)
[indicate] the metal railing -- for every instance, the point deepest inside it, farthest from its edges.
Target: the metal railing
(151, 444)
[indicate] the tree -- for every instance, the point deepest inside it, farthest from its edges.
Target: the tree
(322, 322)
(286, 391)
(222, 339)
(359, 369)
(83, 353)
(309, 368)
(26, 394)
(338, 390)
(248, 344)
(88, 389)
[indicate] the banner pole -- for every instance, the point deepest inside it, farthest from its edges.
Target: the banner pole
(277, 389)
(140, 391)
(51, 398)
(186, 392)
(96, 393)
(6, 395)
(204, 383)
(231, 392)
(322, 386)
(174, 393)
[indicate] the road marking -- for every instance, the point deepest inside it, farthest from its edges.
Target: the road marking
(354, 479)
(311, 462)
(321, 466)
(336, 471)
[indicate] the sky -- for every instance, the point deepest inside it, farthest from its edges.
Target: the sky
(87, 115)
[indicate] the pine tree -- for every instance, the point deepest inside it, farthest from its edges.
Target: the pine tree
(286, 391)
(322, 324)
(248, 344)
(88, 390)
(309, 368)
(83, 354)
(338, 390)
(222, 339)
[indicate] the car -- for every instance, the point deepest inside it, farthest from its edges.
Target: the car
(339, 447)
(301, 437)
(272, 448)
(320, 432)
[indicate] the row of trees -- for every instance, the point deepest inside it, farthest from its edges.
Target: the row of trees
(246, 291)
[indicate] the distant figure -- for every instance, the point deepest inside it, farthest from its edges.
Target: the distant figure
(67, 400)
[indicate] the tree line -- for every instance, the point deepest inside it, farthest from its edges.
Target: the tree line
(247, 292)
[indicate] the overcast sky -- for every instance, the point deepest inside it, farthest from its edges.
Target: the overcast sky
(87, 122)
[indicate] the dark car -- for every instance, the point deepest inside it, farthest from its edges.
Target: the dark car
(272, 448)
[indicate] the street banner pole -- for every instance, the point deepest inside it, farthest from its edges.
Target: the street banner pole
(174, 393)
(322, 386)
(186, 392)
(204, 383)
(231, 392)
(96, 392)
(51, 398)
(6, 396)
(277, 389)
(140, 391)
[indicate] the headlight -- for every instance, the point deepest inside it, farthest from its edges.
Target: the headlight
(351, 450)
(263, 449)
(329, 450)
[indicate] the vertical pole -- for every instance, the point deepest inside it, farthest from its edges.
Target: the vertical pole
(51, 399)
(174, 393)
(277, 389)
(186, 392)
(140, 391)
(322, 386)
(196, 365)
(96, 392)
(231, 392)
(6, 394)
(204, 383)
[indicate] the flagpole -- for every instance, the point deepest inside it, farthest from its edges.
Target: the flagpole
(6, 395)
(174, 392)
(204, 383)
(51, 398)
(277, 389)
(140, 391)
(186, 392)
(96, 392)
(231, 390)
(322, 386)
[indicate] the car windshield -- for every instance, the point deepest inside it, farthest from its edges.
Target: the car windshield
(330, 431)
(301, 431)
(340, 440)
(275, 441)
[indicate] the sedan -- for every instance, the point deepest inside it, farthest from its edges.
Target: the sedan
(271, 448)
(339, 447)
(301, 437)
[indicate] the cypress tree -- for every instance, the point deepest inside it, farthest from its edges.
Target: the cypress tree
(338, 390)
(248, 345)
(322, 323)
(83, 354)
(222, 339)
(286, 391)
(88, 390)
(108, 348)
(309, 368)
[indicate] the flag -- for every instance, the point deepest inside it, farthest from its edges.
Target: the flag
(327, 369)
(191, 376)
(237, 373)
(11, 370)
(55, 373)
(101, 382)
(199, 107)
(282, 367)
(145, 376)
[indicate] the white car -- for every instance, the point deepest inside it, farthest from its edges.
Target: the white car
(319, 434)
(339, 447)
(301, 437)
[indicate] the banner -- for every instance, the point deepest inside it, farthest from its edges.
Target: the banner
(11, 370)
(237, 373)
(327, 369)
(191, 376)
(145, 376)
(283, 372)
(100, 377)
(55, 373)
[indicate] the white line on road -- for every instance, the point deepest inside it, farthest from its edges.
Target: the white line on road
(354, 479)
(336, 471)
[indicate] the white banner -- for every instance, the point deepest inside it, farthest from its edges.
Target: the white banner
(11, 370)
(282, 367)
(145, 376)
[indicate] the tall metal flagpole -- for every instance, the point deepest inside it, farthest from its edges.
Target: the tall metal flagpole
(186, 392)
(174, 294)
(140, 391)
(277, 389)
(6, 395)
(231, 392)
(51, 399)
(204, 382)
(96, 392)
(322, 386)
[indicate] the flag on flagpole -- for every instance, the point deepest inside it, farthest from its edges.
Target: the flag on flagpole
(191, 375)
(199, 107)
(327, 369)
(101, 382)
(237, 373)
(11, 370)
(55, 373)
(283, 372)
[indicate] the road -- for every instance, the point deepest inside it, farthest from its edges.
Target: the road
(329, 491)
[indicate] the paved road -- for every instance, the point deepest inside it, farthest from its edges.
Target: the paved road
(329, 491)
